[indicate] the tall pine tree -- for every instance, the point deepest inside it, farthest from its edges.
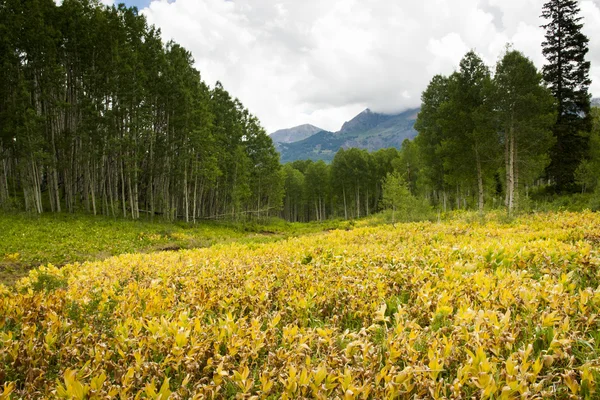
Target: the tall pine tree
(567, 74)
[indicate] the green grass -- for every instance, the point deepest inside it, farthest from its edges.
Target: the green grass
(30, 241)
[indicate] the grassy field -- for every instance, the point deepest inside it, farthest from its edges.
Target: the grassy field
(455, 309)
(59, 239)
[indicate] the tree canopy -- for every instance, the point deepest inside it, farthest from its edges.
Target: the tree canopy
(98, 114)
(567, 75)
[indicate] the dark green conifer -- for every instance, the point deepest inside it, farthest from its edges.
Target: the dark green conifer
(567, 75)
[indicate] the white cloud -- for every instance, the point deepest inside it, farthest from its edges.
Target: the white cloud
(321, 62)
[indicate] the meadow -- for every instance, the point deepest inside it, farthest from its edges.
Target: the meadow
(460, 308)
(28, 241)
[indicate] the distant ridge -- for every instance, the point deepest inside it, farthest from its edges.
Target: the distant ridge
(364, 121)
(294, 134)
(596, 102)
(368, 130)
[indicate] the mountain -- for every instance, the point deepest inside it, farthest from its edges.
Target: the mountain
(320, 146)
(294, 134)
(596, 102)
(368, 130)
(364, 122)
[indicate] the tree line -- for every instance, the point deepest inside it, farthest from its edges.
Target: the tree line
(97, 114)
(502, 133)
(486, 137)
(349, 187)
(486, 134)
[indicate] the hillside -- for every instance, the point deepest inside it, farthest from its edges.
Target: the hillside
(368, 130)
(320, 146)
(294, 134)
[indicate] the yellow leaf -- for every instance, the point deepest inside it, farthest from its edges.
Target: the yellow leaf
(266, 382)
(571, 382)
(380, 314)
(320, 374)
(275, 320)
(164, 392)
(303, 379)
(98, 381)
(7, 389)
(150, 389)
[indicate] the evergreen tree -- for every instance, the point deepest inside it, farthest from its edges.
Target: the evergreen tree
(567, 74)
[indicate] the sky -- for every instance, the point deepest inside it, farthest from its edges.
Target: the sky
(322, 62)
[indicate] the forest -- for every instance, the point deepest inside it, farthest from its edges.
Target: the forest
(503, 137)
(98, 115)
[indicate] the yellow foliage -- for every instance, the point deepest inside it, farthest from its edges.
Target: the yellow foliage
(12, 257)
(421, 310)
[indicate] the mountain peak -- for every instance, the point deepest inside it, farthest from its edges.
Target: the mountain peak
(294, 134)
(368, 130)
(364, 121)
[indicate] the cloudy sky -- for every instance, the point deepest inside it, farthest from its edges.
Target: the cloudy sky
(321, 62)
